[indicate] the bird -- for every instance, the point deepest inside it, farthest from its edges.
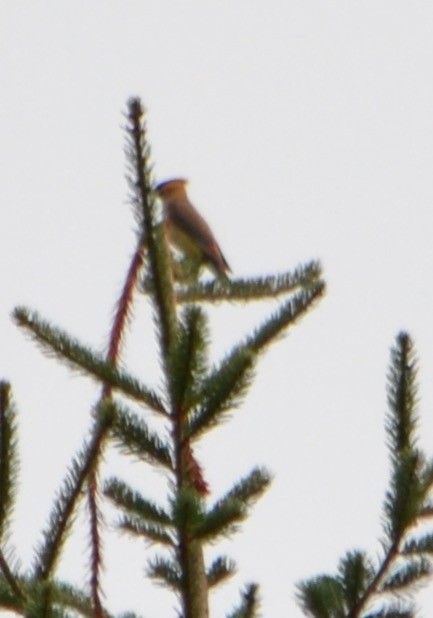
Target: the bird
(186, 228)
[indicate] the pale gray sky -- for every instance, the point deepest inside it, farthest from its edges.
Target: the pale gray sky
(306, 130)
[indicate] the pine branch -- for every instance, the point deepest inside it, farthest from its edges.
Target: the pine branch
(289, 313)
(407, 574)
(356, 574)
(257, 288)
(9, 598)
(221, 391)
(69, 597)
(226, 385)
(11, 578)
(423, 545)
(220, 570)
(186, 509)
(55, 341)
(152, 532)
(123, 312)
(39, 602)
(8, 481)
(167, 571)
(159, 261)
(187, 370)
(232, 509)
(134, 503)
(249, 605)
(69, 495)
(137, 155)
(222, 520)
(142, 517)
(190, 362)
(402, 419)
(407, 560)
(404, 498)
(161, 278)
(322, 596)
(8, 458)
(132, 436)
(412, 477)
(251, 487)
(96, 565)
(56, 600)
(63, 597)
(194, 400)
(124, 305)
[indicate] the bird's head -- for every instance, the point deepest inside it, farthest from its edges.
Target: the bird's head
(170, 188)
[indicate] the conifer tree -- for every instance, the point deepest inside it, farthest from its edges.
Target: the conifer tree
(192, 399)
(383, 588)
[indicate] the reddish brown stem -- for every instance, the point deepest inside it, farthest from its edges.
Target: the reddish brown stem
(123, 310)
(96, 547)
(122, 314)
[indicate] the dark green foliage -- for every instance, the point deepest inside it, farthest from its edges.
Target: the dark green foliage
(66, 501)
(40, 603)
(152, 532)
(141, 516)
(54, 600)
(249, 604)
(167, 571)
(407, 558)
(356, 573)
(259, 288)
(11, 596)
(288, 314)
(402, 398)
(195, 399)
(191, 399)
(72, 598)
(251, 487)
(323, 597)
(405, 495)
(221, 520)
(232, 509)
(221, 569)
(188, 509)
(221, 392)
(133, 437)
(56, 342)
(190, 361)
(8, 458)
(132, 502)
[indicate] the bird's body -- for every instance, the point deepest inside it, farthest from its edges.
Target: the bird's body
(187, 229)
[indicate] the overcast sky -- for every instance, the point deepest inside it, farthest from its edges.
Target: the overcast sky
(306, 130)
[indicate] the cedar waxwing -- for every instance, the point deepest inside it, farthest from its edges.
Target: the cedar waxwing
(187, 229)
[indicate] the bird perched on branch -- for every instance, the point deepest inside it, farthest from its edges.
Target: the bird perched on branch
(187, 230)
